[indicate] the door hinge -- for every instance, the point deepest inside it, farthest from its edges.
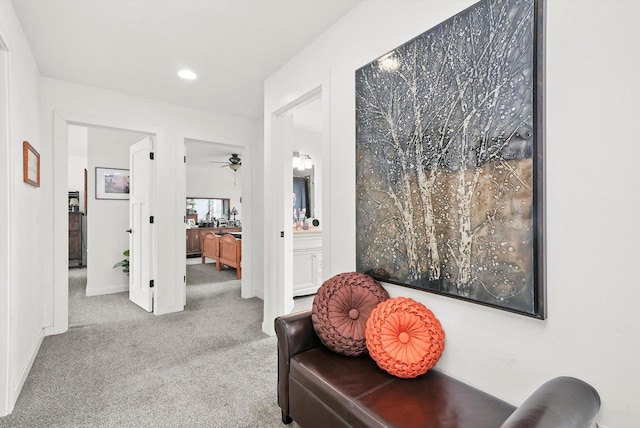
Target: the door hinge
(151, 155)
(151, 219)
(185, 159)
(184, 279)
(151, 283)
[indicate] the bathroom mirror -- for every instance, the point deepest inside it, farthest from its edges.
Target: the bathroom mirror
(303, 193)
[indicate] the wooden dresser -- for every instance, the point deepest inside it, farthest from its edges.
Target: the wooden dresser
(194, 237)
(75, 238)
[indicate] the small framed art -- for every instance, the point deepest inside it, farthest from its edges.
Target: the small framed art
(112, 183)
(30, 165)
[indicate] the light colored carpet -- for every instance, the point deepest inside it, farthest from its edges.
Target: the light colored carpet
(117, 366)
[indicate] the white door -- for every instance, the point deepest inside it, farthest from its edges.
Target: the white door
(140, 224)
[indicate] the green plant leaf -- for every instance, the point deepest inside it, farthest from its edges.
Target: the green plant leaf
(124, 263)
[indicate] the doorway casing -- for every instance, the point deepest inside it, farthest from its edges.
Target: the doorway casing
(56, 317)
(6, 186)
(246, 290)
(278, 247)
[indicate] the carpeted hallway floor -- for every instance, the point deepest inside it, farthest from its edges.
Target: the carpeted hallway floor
(118, 366)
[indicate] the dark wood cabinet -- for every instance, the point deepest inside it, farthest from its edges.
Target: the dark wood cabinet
(193, 242)
(75, 238)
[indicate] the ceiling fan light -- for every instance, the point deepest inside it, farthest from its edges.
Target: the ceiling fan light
(235, 166)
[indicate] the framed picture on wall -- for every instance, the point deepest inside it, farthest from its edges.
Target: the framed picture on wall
(112, 183)
(450, 159)
(30, 165)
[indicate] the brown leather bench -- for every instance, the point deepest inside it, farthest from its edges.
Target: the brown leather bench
(319, 388)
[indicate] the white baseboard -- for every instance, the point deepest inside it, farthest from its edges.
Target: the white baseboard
(267, 328)
(25, 372)
(107, 290)
(306, 291)
(50, 331)
(168, 309)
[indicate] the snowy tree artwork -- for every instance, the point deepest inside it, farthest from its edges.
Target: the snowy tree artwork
(449, 145)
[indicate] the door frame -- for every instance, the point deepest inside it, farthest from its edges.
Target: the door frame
(246, 290)
(278, 297)
(56, 316)
(6, 219)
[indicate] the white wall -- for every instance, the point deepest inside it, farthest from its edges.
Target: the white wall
(77, 161)
(256, 204)
(25, 216)
(215, 182)
(592, 199)
(107, 219)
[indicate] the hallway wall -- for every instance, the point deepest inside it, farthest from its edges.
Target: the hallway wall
(211, 181)
(592, 64)
(26, 224)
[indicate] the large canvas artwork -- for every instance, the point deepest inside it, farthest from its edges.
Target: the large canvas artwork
(449, 157)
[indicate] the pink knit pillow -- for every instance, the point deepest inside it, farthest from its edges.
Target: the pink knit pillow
(341, 308)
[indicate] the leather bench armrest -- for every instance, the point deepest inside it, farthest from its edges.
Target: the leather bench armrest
(295, 335)
(561, 402)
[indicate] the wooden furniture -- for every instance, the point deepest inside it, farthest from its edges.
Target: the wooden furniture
(307, 262)
(75, 239)
(210, 246)
(193, 242)
(193, 216)
(194, 237)
(225, 250)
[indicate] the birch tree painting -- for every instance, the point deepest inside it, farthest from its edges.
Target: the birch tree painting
(445, 147)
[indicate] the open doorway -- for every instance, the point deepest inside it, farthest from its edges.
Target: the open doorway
(307, 214)
(214, 213)
(98, 216)
(285, 130)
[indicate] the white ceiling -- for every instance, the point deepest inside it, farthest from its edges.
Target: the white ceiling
(206, 154)
(138, 46)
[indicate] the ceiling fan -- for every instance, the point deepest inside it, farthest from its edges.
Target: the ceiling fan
(234, 162)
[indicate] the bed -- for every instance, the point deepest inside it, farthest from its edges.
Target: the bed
(224, 249)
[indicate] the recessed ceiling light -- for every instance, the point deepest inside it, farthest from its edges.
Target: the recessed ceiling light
(187, 74)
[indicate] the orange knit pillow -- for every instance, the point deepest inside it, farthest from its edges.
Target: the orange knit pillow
(404, 337)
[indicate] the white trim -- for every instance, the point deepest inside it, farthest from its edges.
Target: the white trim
(326, 178)
(278, 272)
(57, 319)
(248, 232)
(107, 290)
(6, 240)
(181, 194)
(27, 368)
